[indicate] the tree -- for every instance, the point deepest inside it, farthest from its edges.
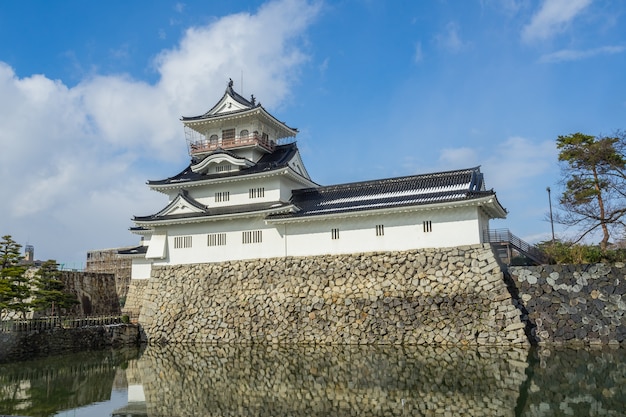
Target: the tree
(49, 294)
(14, 285)
(594, 175)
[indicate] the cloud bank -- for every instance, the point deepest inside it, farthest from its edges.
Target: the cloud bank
(74, 160)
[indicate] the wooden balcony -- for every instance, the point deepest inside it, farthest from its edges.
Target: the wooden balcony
(204, 146)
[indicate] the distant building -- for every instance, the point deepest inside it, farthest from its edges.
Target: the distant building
(246, 194)
(29, 253)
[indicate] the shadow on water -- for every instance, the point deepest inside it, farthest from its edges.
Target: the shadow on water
(265, 380)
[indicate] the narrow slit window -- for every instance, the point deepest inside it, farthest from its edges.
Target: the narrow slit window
(380, 230)
(256, 192)
(182, 242)
(222, 196)
(252, 236)
(428, 226)
(216, 239)
(334, 233)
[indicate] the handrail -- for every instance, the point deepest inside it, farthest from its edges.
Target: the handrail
(505, 236)
(46, 323)
(205, 145)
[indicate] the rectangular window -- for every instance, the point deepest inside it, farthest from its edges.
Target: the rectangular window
(256, 192)
(428, 226)
(222, 168)
(380, 230)
(252, 236)
(334, 233)
(182, 242)
(216, 239)
(222, 196)
(228, 134)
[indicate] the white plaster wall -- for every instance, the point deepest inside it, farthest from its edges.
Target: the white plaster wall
(141, 268)
(453, 227)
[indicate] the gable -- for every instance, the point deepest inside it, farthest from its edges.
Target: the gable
(182, 204)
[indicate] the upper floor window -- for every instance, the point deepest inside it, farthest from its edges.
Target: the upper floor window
(380, 230)
(244, 133)
(256, 192)
(213, 140)
(228, 134)
(222, 168)
(428, 226)
(181, 242)
(334, 233)
(222, 196)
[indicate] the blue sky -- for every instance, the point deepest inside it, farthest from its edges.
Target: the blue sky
(91, 94)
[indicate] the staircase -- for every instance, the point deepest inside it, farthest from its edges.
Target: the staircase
(506, 244)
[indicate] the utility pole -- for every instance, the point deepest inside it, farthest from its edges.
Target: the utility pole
(551, 220)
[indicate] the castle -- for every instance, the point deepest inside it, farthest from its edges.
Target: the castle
(246, 194)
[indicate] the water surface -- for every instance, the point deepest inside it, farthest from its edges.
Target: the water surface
(262, 380)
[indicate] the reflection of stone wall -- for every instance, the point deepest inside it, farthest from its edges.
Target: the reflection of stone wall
(429, 296)
(576, 382)
(574, 303)
(265, 380)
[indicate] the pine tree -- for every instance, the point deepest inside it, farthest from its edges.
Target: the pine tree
(14, 285)
(49, 295)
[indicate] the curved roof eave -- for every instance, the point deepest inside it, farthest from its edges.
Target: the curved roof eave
(489, 203)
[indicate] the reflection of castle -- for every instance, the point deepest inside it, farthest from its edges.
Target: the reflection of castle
(246, 194)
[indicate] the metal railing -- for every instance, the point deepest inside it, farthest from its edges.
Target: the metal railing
(230, 143)
(504, 236)
(47, 323)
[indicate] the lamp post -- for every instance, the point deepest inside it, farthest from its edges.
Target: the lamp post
(551, 220)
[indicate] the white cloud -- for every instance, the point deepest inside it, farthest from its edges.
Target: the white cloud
(418, 55)
(450, 39)
(553, 17)
(576, 55)
(73, 160)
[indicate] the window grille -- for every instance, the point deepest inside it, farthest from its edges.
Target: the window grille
(216, 239)
(428, 226)
(222, 168)
(256, 192)
(334, 233)
(252, 236)
(228, 134)
(380, 230)
(222, 196)
(182, 242)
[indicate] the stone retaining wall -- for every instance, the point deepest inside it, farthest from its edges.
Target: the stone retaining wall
(432, 296)
(27, 345)
(134, 297)
(573, 303)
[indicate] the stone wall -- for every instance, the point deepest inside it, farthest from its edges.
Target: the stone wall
(27, 345)
(95, 292)
(432, 296)
(573, 303)
(134, 297)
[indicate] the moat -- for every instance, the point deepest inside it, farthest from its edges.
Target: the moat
(270, 380)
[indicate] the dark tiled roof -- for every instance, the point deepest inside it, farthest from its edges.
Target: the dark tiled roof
(138, 250)
(268, 162)
(217, 211)
(450, 186)
(235, 96)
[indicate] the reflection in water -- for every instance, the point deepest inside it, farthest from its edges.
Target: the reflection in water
(261, 380)
(42, 387)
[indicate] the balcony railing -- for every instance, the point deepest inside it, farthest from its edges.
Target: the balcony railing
(209, 145)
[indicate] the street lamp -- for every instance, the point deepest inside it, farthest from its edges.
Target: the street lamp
(551, 220)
